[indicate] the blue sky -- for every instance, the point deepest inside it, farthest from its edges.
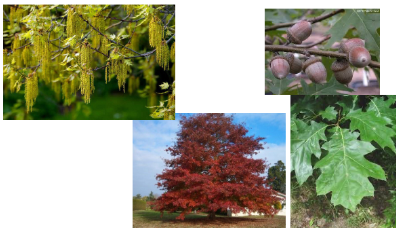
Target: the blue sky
(152, 137)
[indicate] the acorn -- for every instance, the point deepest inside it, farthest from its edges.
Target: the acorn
(342, 71)
(359, 57)
(356, 52)
(315, 70)
(347, 45)
(299, 32)
(279, 66)
(295, 64)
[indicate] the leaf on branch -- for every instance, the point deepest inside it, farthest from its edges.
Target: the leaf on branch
(372, 127)
(165, 85)
(345, 170)
(305, 142)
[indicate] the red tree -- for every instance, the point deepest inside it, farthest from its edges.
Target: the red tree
(212, 169)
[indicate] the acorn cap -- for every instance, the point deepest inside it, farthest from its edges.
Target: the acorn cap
(347, 45)
(293, 38)
(278, 57)
(310, 62)
(339, 65)
(290, 58)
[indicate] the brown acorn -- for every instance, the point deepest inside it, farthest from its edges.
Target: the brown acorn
(299, 32)
(279, 66)
(295, 64)
(346, 46)
(342, 71)
(359, 57)
(315, 70)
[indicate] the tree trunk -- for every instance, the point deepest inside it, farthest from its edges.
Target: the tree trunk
(211, 215)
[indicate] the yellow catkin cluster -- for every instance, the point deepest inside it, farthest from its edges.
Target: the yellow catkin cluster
(42, 54)
(5, 57)
(87, 76)
(169, 114)
(172, 52)
(173, 71)
(129, 8)
(27, 56)
(133, 84)
(163, 55)
(104, 45)
(46, 62)
(12, 15)
(13, 79)
(74, 23)
(99, 23)
(69, 87)
(17, 52)
(120, 70)
(31, 91)
(156, 31)
(134, 45)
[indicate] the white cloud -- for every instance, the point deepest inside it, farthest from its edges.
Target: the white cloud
(272, 153)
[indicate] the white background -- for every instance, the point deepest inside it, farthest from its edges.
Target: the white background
(78, 173)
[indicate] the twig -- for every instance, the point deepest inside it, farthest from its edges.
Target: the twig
(106, 36)
(150, 52)
(8, 19)
(312, 20)
(95, 49)
(313, 52)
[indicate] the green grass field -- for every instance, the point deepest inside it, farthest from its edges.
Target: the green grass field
(151, 218)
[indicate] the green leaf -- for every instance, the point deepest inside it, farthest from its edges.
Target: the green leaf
(165, 85)
(366, 25)
(332, 87)
(382, 108)
(275, 85)
(372, 127)
(345, 171)
(305, 142)
(329, 113)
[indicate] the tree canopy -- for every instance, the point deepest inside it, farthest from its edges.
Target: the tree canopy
(276, 176)
(69, 48)
(212, 169)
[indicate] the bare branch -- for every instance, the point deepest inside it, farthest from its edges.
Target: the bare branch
(304, 51)
(312, 20)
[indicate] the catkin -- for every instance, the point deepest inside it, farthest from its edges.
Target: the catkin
(74, 23)
(27, 56)
(163, 55)
(99, 23)
(156, 32)
(31, 91)
(17, 54)
(87, 76)
(172, 52)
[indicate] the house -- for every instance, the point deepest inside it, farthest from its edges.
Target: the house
(277, 194)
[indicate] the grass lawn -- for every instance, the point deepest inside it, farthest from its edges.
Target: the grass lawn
(151, 218)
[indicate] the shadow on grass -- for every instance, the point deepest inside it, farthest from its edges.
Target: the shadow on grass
(153, 219)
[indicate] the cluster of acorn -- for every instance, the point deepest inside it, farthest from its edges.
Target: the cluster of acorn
(357, 55)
